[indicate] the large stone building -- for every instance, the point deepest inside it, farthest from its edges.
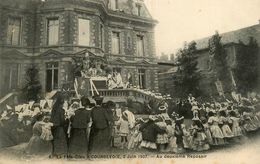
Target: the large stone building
(51, 33)
(234, 42)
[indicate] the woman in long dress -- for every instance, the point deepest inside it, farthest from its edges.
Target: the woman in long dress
(59, 143)
(78, 141)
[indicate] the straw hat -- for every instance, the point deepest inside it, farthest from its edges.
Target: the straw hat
(162, 108)
(125, 114)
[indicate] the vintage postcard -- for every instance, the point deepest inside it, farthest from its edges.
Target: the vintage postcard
(133, 81)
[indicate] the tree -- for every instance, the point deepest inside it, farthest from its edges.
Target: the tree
(218, 62)
(187, 75)
(247, 67)
(32, 87)
(218, 65)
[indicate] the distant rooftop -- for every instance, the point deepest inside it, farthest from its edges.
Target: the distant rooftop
(234, 36)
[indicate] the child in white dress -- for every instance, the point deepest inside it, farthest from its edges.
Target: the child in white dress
(207, 131)
(123, 130)
(217, 135)
(199, 138)
(227, 132)
(135, 137)
(170, 129)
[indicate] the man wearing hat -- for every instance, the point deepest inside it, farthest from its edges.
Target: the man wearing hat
(99, 140)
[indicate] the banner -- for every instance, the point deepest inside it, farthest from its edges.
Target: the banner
(219, 86)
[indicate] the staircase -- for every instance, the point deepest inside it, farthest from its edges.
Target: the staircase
(115, 95)
(9, 99)
(121, 95)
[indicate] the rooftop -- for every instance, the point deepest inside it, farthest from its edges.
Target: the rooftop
(234, 36)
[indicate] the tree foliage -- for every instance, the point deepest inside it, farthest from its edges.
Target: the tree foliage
(187, 75)
(32, 87)
(247, 67)
(218, 61)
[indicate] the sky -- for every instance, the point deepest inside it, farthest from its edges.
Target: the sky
(187, 20)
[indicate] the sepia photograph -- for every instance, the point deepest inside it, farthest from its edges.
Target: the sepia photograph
(130, 81)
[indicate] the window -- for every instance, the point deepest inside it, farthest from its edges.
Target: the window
(52, 70)
(115, 42)
(141, 77)
(14, 31)
(53, 31)
(129, 42)
(101, 32)
(84, 32)
(114, 4)
(139, 7)
(11, 77)
(140, 45)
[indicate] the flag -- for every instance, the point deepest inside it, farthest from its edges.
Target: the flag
(18, 108)
(31, 104)
(219, 88)
(8, 107)
(233, 79)
(76, 86)
(42, 103)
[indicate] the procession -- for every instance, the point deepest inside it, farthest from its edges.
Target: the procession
(76, 128)
(108, 80)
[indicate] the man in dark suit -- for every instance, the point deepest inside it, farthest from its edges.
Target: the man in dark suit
(99, 141)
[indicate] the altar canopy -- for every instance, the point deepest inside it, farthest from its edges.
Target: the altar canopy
(89, 86)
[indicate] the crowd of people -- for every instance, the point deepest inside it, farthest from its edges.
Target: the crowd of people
(74, 128)
(213, 124)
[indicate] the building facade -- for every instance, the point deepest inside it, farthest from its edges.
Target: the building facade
(234, 43)
(52, 33)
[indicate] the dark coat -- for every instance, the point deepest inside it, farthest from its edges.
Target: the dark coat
(150, 130)
(78, 142)
(100, 118)
(59, 130)
(99, 139)
(179, 135)
(81, 119)
(58, 116)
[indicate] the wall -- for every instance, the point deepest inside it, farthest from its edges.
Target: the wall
(34, 48)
